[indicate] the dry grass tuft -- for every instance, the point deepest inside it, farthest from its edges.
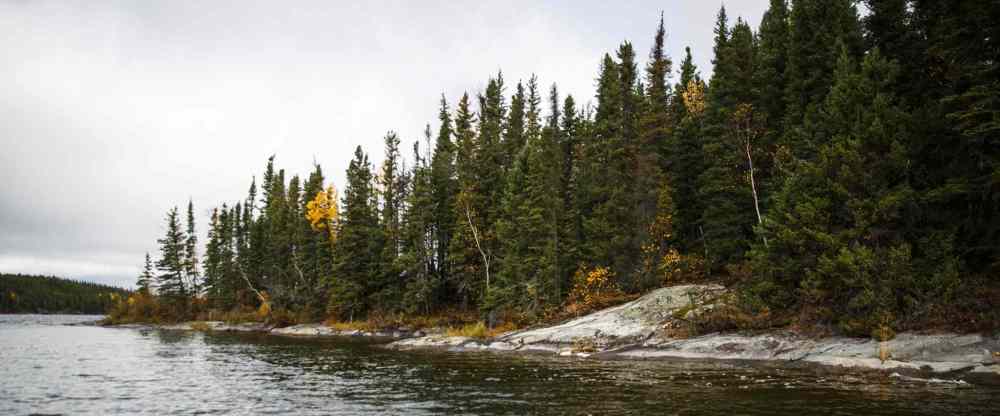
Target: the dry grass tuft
(200, 326)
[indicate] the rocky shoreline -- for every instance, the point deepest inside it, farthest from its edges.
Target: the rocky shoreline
(635, 331)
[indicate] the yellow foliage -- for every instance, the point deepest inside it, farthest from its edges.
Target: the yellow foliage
(322, 212)
(676, 267)
(476, 330)
(351, 326)
(200, 326)
(592, 286)
(694, 98)
(265, 306)
(744, 114)
(139, 307)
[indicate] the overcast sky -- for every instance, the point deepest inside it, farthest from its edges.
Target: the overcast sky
(111, 112)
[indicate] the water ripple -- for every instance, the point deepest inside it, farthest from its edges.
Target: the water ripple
(49, 368)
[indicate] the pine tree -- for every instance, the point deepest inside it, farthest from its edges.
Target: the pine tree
(466, 260)
(210, 261)
(727, 218)
(533, 115)
(247, 238)
(840, 236)
(889, 26)
(959, 160)
(528, 278)
(170, 280)
(770, 64)
(489, 156)
(817, 28)
(597, 176)
(146, 278)
(417, 261)
(391, 193)
(444, 188)
(391, 184)
(655, 125)
(232, 278)
(514, 132)
(570, 227)
(629, 231)
(359, 244)
(313, 257)
(261, 262)
(191, 273)
(686, 159)
(769, 93)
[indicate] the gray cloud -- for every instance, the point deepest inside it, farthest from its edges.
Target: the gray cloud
(112, 112)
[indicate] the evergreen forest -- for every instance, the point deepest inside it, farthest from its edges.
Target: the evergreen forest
(839, 169)
(21, 293)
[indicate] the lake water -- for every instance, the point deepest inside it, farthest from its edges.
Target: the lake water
(47, 367)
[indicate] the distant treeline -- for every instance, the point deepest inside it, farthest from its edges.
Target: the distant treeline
(47, 294)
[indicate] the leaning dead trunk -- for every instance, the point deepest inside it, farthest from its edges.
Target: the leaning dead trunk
(753, 188)
(265, 303)
(475, 236)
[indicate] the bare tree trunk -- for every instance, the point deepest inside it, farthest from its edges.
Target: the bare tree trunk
(753, 188)
(250, 285)
(295, 263)
(475, 235)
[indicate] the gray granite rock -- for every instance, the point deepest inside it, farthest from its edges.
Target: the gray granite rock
(633, 330)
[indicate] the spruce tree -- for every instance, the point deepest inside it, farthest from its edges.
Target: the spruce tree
(248, 233)
(313, 255)
(528, 278)
(769, 87)
(466, 259)
(770, 63)
(817, 28)
(211, 262)
(570, 228)
(489, 156)
(170, 280)
(146, 278)
(514, 132)
(655, 126)
(232, 278)
(417, 261)
(360, 243)
(629, 232)
(392, 203)
(686, 160)
(191, 273)
(513, 277)
(598, 176)
(727, 217)
(392, 194)
(840, 234)
(444, 189)
(959, 159)
(533, 114)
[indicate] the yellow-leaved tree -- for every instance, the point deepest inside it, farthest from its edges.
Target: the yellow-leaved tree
(694, 98)
(322, 212)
